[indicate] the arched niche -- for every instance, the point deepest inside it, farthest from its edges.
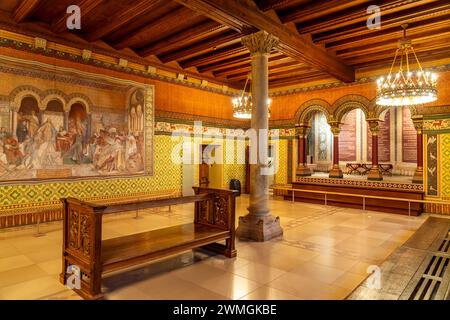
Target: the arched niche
(306, 111)
(28, 118)
(348, 103)
(54, 112)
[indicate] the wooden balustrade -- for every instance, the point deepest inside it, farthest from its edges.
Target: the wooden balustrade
(83, 247)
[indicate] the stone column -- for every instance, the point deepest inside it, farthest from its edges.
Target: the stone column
(302, 168)
(374, 173)
(259, 224)
(336, 171)
(66, 120)
(418, 174)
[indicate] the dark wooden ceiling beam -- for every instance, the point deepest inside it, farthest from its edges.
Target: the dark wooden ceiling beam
(24, 10)
(422, 15)
(142, 34)
(208, 45)
(318, 9)
(234, 51)
(280, 4)
(391, 45)
(274, 73)
(297, 80)
(276, 62)
(232, 12)
(426, 30)
(232, 62)
(424, 57)
(359, 15)
(124, 17)
(86, 7)
(194, 34)
(388, 54)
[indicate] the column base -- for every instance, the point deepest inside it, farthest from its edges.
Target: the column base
(259, 228)
(336, 173)
(303, 171)
(375, 175)
(418, 176)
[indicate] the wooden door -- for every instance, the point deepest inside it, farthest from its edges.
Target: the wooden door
(203, 170)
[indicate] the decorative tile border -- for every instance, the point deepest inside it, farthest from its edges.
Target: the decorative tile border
(362, 183)
(163, 127)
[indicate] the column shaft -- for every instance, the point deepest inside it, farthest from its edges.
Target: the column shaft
(374, 173)
(336, 171)
(259, 224)
(418, 174)
(302, 168)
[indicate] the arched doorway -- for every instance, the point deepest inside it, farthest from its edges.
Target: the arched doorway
(28, 119)
(54, 113)
(314, 137)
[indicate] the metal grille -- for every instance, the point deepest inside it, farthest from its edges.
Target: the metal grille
(434, 281)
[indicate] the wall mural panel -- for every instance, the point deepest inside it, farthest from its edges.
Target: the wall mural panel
(347, 137)
(64, 136)
(432, 165)
(409, 135)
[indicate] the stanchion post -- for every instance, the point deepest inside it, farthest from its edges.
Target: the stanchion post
(38, 225)
(137, 217)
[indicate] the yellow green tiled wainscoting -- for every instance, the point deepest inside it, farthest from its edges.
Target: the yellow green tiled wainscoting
(35, 197)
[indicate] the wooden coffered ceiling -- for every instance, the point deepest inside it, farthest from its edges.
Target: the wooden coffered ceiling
(319, 39)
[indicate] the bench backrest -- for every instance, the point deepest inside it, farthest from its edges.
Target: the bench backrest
(82, 231)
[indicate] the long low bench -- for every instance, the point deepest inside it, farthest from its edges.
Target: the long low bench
(214, 221)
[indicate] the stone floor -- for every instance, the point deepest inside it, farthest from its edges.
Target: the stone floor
(324, 254)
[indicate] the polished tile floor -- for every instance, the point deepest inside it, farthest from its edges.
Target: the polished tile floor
(324, 254)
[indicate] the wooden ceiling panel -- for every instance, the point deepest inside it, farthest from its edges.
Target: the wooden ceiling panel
(419, 15)
(318, 38)
(358, 15)
(159, 10)
(175, 21)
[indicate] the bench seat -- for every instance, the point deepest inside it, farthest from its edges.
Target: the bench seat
(117, 253)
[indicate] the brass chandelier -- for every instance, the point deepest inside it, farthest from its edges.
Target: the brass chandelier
(406, 87)
(242, 105)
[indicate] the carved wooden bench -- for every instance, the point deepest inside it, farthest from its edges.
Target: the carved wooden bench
(214, 221)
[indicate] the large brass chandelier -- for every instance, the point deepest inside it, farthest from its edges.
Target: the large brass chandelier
(406, 87)
(242, 105)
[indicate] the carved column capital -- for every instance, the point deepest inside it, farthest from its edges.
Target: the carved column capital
(374, 126)
(302, 131)
(418, 124)
(335, 128)
(260, 42)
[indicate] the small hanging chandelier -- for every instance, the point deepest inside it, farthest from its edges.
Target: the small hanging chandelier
(242, 105)
(406, 87)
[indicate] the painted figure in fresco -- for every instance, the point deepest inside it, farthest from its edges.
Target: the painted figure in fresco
(63, 141)
(3, 161)
(45, 140)
(33, 123)
(22, 128)
(140, 118)
(12, 151)
(75, 152)
(29, 152)
(3, 133)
